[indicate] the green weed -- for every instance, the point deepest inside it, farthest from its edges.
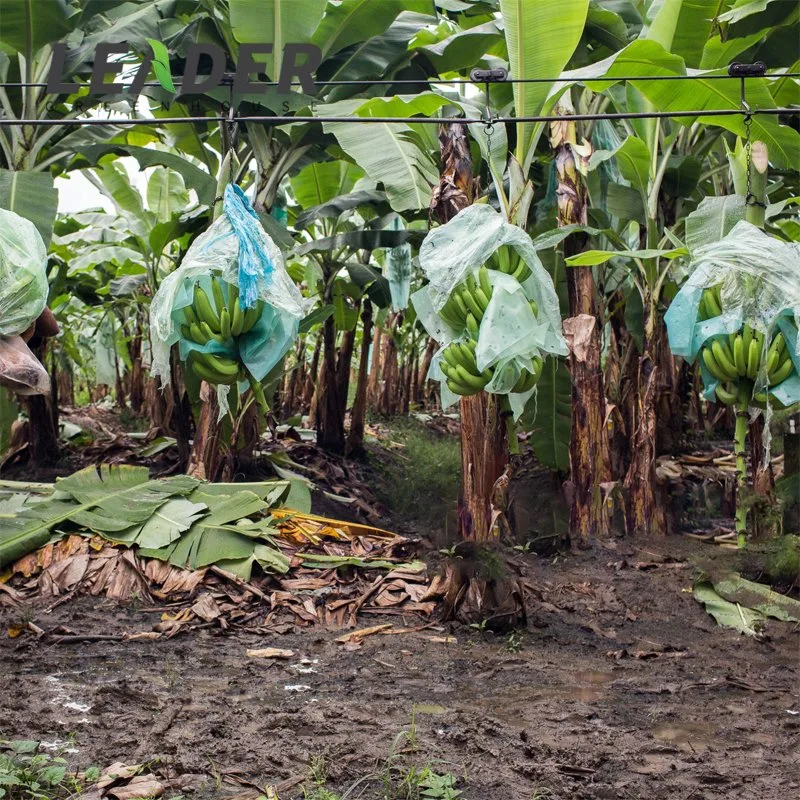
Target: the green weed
(421, 481)
(27, 774)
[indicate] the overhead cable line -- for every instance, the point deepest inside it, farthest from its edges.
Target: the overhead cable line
(285, 120)
(465, 81)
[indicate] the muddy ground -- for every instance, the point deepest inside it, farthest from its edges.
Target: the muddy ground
(621, 687)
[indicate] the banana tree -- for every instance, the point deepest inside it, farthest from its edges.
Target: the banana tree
(341, 224)
(665, 167)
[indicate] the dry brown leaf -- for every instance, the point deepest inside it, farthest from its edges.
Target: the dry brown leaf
(206, 607)
(117, 771)
(578, 333)
(355, 636)
(270, 652)
(142, 786)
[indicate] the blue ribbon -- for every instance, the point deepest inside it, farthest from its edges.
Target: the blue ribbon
(254, 260)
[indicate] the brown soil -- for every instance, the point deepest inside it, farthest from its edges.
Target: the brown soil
(622, 687)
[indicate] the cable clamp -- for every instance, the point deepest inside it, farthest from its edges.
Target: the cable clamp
(496, 75)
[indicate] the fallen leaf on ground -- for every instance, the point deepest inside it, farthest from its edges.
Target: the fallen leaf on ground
(139, 787)
(360, 634)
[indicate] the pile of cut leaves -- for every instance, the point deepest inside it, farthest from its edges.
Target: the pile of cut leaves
(214, 553)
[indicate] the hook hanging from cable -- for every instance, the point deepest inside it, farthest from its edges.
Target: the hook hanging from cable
(487, 76)
(744, 71)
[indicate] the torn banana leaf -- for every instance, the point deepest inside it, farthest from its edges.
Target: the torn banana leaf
(103, 499)
(727, 614)
(757, 596)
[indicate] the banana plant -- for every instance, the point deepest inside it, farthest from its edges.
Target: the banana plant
(109, 265)
(340, 222)
(31, 155)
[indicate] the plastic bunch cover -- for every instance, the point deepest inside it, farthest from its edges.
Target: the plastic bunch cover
(510, 335)
(398, 270)
(759, 278)
(237, 249)
(23, 273)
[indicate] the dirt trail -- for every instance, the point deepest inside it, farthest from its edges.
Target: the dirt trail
(622, 687)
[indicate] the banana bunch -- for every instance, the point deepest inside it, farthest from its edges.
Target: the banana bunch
(506, 259)
(735, 360)
(221, 321)
(468, 302)
(460, 368)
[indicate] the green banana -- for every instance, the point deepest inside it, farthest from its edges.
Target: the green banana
(712, 302)
(726, 395)
(483, 299)
(775, 347)
(467, 379)
(485, 283)
(235, 310)
(467, 357)
(196, 334)
(458, 388)
(468, 296)
(723, 360)
(225, 367)
(209, 376)
(460, 304)
(711, 364)
(738, 355)
(747, 337)
(225, 323)
(209, 334)
(450, 355)
(219, 297)
(772, 362)
(190, 316)
(753, 359)
(204, 310)
(252, 316)
(472, 325)
(781, 372)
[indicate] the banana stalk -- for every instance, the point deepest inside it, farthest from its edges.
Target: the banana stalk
(739, 445)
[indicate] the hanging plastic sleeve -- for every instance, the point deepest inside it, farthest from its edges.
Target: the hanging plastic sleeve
(254, 260)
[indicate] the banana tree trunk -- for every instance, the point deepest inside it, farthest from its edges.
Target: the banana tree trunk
(355, 438)
(373, 383)
(312, 376)
(344, 362)
(588, 448)
(387, 396)
(330, 411)
(43, 419)
(136, 374)
(206, 460)
(644, 514)
(484, 451)
(424, 367)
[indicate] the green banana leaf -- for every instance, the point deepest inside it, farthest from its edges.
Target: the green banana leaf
(104, 499)
(32, 196)
(548, 415)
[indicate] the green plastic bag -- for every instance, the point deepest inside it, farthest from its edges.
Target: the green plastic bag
(23, 273)
(759, 277)
(217, 251)
(510, 335)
